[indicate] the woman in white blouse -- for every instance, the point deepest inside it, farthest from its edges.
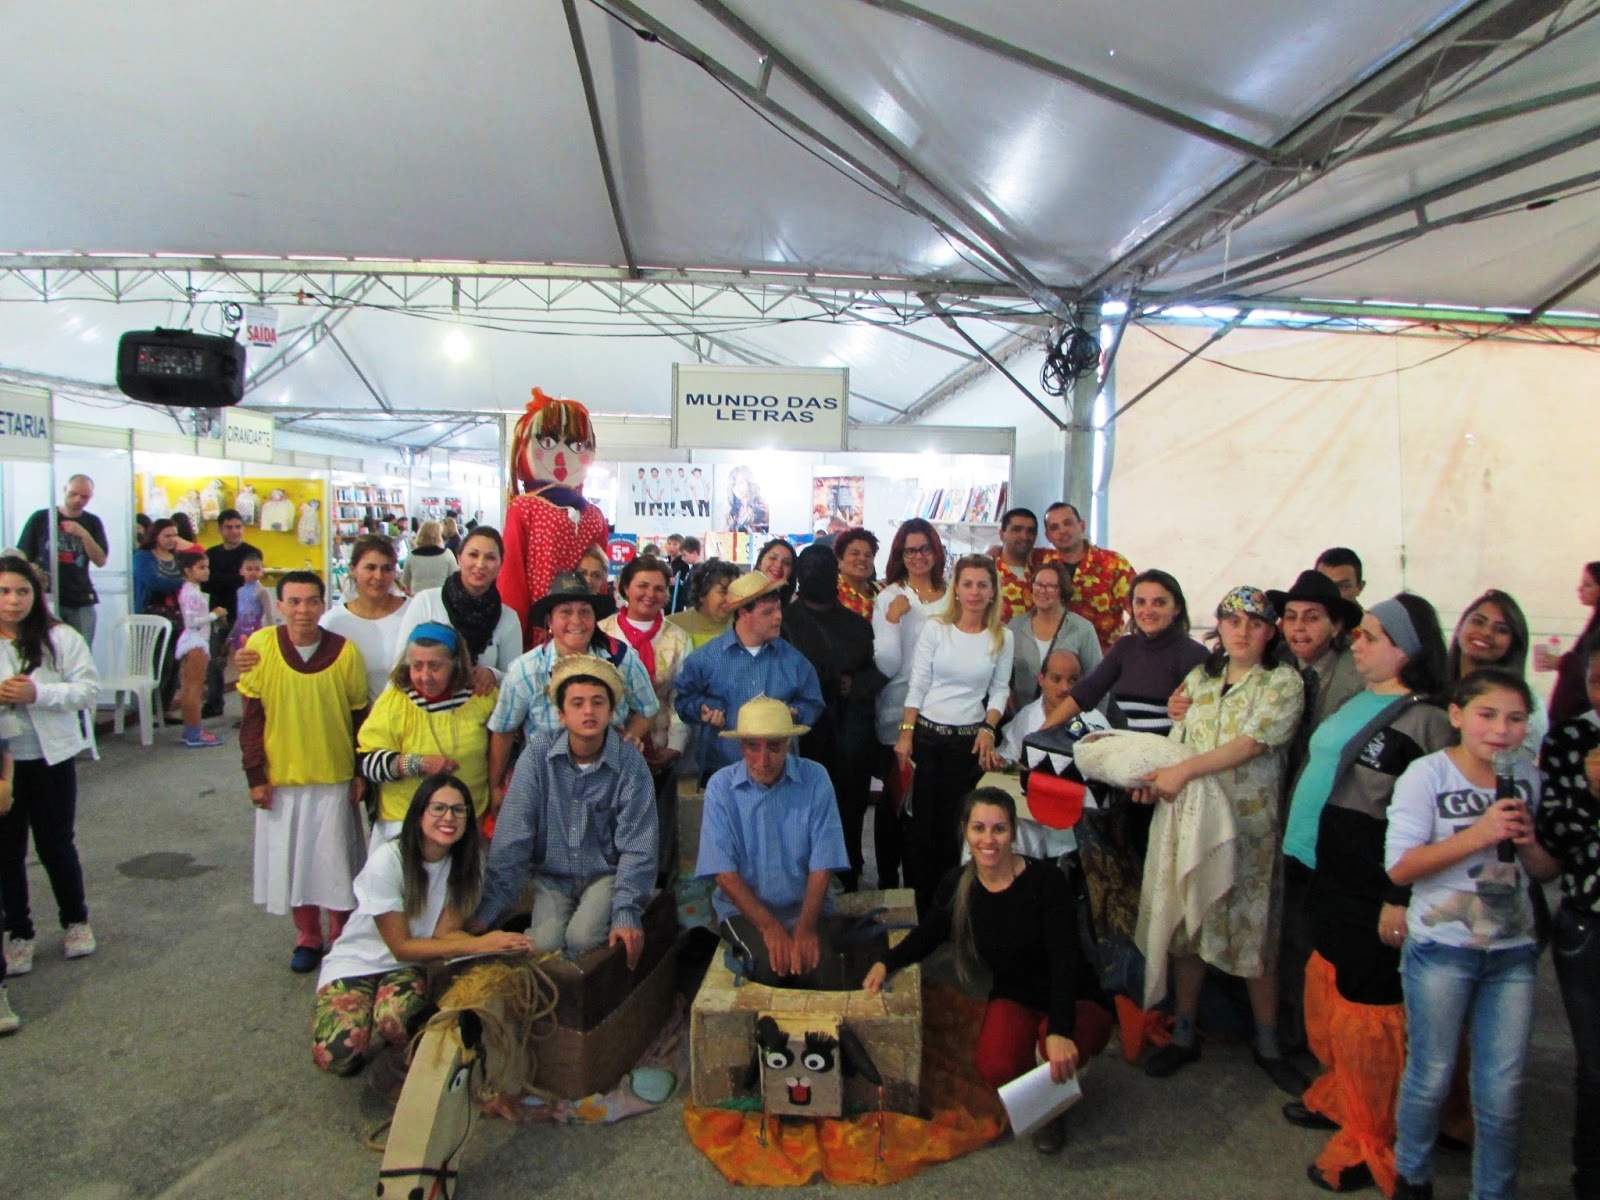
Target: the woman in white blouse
(960, 680)
(914, 591)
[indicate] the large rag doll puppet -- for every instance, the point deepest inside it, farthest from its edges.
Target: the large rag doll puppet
(548, 522)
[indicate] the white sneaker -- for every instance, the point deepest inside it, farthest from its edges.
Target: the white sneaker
(9, 1021)
(19, 955)
(79, 942)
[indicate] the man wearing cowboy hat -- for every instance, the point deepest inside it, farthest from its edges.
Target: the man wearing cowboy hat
(749, 660)
(1316, 623)
(771, 838)
(1317, 619)
(567, 612)
(580, 816)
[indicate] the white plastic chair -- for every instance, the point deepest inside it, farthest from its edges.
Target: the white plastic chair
(136, 658)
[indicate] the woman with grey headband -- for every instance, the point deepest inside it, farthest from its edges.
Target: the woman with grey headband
(1338, 818)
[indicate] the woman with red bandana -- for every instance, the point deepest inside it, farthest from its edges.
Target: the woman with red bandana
(549, 524)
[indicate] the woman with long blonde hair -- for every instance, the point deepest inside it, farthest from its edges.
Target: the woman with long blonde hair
(960, 680)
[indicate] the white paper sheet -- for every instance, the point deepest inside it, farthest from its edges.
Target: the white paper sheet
(1032, 1099)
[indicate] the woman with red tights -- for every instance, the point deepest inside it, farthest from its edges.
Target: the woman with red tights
(1017, 917)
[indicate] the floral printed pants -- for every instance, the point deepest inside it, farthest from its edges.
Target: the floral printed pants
(352, 1012)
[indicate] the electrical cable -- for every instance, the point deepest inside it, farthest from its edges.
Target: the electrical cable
(1071, 352)
(1217, 362)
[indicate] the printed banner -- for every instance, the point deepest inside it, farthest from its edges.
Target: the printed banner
(793, 408)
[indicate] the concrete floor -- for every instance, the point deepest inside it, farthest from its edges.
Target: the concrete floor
(174, 1063)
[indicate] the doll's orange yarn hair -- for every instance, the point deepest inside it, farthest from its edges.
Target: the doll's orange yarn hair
(546, 416)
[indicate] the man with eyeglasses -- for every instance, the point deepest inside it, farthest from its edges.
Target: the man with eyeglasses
(580, 817)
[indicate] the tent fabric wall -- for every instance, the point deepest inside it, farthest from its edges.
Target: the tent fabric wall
(1450, 476)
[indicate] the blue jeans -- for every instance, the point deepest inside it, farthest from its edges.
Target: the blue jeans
(1490, 993)
(1576, 949)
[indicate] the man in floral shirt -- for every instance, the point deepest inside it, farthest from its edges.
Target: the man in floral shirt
(1019, 530)
(1101, 579)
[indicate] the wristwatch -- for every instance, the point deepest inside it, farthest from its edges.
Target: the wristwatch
(907, 726)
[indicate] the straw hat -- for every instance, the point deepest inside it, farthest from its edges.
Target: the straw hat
(749, 586)
(765, 717)
(586, 664)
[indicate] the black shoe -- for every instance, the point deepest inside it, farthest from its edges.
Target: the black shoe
(208, 711)
(1170, 1059)
(1050, 1137)
(1404, 1189)
(1297, 1113)
(1351, 1179)
(1284, 1073)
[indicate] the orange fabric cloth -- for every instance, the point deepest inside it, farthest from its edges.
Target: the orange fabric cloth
(1140, 1026)
(1363, 1047)
(964, 1115)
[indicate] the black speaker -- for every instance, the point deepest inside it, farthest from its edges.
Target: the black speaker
(181, 369)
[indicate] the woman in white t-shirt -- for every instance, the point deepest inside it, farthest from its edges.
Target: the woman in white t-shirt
(1470, 956)
(411, 899)
(960, 680)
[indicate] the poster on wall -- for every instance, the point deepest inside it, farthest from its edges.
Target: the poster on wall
(283, 518)
(740, 505)
(838, 502)
(655, 499)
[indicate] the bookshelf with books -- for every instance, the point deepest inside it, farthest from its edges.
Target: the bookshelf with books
(355, 503)
(966, 514)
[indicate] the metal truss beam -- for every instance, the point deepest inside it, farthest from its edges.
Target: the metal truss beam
(891, 190)
(962, 378)
(995, 364)
(1582, 280)
(978, 226)
(1142, 105)
(586, 74)
(360, 374)
(656, 316)
(1489, 116)
(1329, 136)
(322, 272)
(308, 337)
(1400, 208)
(1222, 331)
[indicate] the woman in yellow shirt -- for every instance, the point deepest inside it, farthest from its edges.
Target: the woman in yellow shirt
(425, 722)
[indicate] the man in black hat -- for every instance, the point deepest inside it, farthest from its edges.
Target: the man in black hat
(1316, 623)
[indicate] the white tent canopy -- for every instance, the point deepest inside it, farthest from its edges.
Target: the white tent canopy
(827, 183)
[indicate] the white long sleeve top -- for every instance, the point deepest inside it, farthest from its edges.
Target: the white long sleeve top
(956, 677)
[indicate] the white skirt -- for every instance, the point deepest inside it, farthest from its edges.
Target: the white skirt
(308, 848)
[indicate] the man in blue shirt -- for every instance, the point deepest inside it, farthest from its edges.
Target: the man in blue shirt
(771, 838)
(580, 816)
(750, 660)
